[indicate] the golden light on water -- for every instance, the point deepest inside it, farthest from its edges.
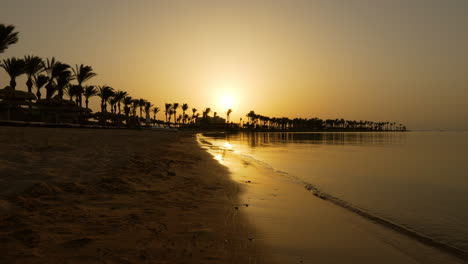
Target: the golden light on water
(219, 158)
(227, 146)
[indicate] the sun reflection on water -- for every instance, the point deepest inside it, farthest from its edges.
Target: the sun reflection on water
(219, 158)
(227, 146)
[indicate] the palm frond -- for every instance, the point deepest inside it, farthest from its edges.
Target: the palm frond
(83, 73)
(7, 36)
(33, 65)
(13, 66)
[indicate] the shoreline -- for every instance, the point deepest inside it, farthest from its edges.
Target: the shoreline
(267, 194)
(120, 196)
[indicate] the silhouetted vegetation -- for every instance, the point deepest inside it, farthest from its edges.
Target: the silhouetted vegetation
(59, 78)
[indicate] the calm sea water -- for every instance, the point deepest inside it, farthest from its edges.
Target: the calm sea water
(418, 180)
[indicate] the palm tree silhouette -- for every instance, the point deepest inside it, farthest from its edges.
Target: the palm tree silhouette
(127, 101)
(73, 91)
(62, 81)
(105, 92)
(113, 103)
(174, 108)
(228, 114)
(54, 69)
(155, 111)
(148, 106)
(194, 111)
(141, 104)
(119, 96)
(135, 103)
(109, 95)
(171, 112)
(89, 91)
(206, 113)
(14, 67)
(251, 115)
(7, 37)
(168, 107)
(82, 74)
(39, 82)
(185, 107)
(32, 67)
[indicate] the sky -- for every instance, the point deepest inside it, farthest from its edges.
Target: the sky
(403, 61)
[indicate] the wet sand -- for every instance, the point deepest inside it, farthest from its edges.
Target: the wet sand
(117, 196)
(297, 227)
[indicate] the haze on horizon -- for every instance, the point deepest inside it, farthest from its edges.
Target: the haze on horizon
(402, 61)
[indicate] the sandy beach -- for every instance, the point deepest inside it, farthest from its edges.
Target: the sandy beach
(116, 196)
(128, 196)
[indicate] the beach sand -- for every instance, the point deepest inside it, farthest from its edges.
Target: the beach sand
(116, 196)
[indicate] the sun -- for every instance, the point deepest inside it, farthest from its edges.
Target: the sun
(227, 101)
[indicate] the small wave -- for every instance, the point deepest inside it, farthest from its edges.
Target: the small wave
(387, 223)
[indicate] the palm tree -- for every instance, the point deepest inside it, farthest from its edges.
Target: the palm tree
(119, 96)
(175, 106)
(185, 107)
(135, 104)
(62, 81)
(194, 111)
(113, 103)
(73, 91)
(155, 111)
(127, 101)
(14, 67)
(179, 118)
(141, 104)
(108, 96)
(39, 82)
(54, 69)
(32, 67)
(251, 115)
(82, 74)
(206, 112)
(89, 91)
(105, 92)
(7, 37)
(168, 107)
(171, 112)
(228, 114)
(148, 106)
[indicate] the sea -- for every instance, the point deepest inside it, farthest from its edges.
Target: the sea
(413, 182)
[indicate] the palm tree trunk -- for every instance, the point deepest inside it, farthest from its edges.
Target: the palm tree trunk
(13, 83)
(29, 83)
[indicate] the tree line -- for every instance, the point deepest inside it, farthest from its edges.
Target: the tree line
(261, 122)
(50, 79)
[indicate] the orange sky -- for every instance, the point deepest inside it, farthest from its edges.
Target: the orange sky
(402, 61)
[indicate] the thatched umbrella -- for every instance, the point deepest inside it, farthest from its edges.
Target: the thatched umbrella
(10, 97)
(58, 106)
